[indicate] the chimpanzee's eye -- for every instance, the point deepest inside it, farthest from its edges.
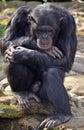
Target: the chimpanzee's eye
(51, 33)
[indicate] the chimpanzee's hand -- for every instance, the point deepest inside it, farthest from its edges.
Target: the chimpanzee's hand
(55, 52)
(9, 54)
(16, 54)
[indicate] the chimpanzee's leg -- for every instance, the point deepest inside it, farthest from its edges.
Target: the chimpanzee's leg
(20, 78)
(57, 95)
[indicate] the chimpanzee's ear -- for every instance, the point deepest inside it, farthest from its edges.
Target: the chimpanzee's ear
(62, 20)
(31, 19)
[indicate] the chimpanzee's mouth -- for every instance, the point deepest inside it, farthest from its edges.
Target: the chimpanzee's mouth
(44, 46)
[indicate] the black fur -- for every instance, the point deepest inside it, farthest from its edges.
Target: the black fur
(18, 32)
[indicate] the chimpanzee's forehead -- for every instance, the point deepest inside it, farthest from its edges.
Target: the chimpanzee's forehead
(48, 19)
(45, 18)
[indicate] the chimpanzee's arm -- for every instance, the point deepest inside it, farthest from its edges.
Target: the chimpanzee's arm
(17, 31)
(24, 41)
(30, 57)
(67, 42)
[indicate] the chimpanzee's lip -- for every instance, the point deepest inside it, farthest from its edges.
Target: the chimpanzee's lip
(45, 46)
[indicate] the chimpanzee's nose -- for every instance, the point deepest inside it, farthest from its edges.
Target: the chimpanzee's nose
(45, 36)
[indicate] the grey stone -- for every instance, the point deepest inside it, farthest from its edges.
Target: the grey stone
(78, 67)
(79, 58)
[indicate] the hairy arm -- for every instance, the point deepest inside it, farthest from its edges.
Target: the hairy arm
(67, 42)
(17, 32)
(28, 57)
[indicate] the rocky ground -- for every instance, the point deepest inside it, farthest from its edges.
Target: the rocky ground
(74, 83)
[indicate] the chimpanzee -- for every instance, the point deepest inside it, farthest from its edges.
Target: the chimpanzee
(36, 66)
(39, 30)
(28, 43)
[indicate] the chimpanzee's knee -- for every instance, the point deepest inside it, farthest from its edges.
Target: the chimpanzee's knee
(18, 77)
(56, 72)
(16, 71)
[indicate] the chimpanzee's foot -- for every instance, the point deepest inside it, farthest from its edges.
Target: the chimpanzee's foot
(54, 121)
(33, 96)
(23, 99)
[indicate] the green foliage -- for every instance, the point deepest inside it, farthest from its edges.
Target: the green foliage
(1, 30)
(1, 68)
(45, 0)
(4, 2)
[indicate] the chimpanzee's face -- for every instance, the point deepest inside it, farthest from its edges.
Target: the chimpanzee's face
(44, 30)
(44, 36)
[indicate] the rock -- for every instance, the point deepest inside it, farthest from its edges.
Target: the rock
(14, 111)
(79, 58)
(75, 83)
(31, 120)
(1, 93)
(9, 111)
(78, 67)
(71, 73)
(37, 113)
(8, 90)
(75, 122)
(75, 86)
(3, 83)
(6, 99)
(80, 43)
(78, 90)
(34, 121)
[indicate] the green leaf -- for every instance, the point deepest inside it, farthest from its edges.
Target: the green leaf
(1, 30)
